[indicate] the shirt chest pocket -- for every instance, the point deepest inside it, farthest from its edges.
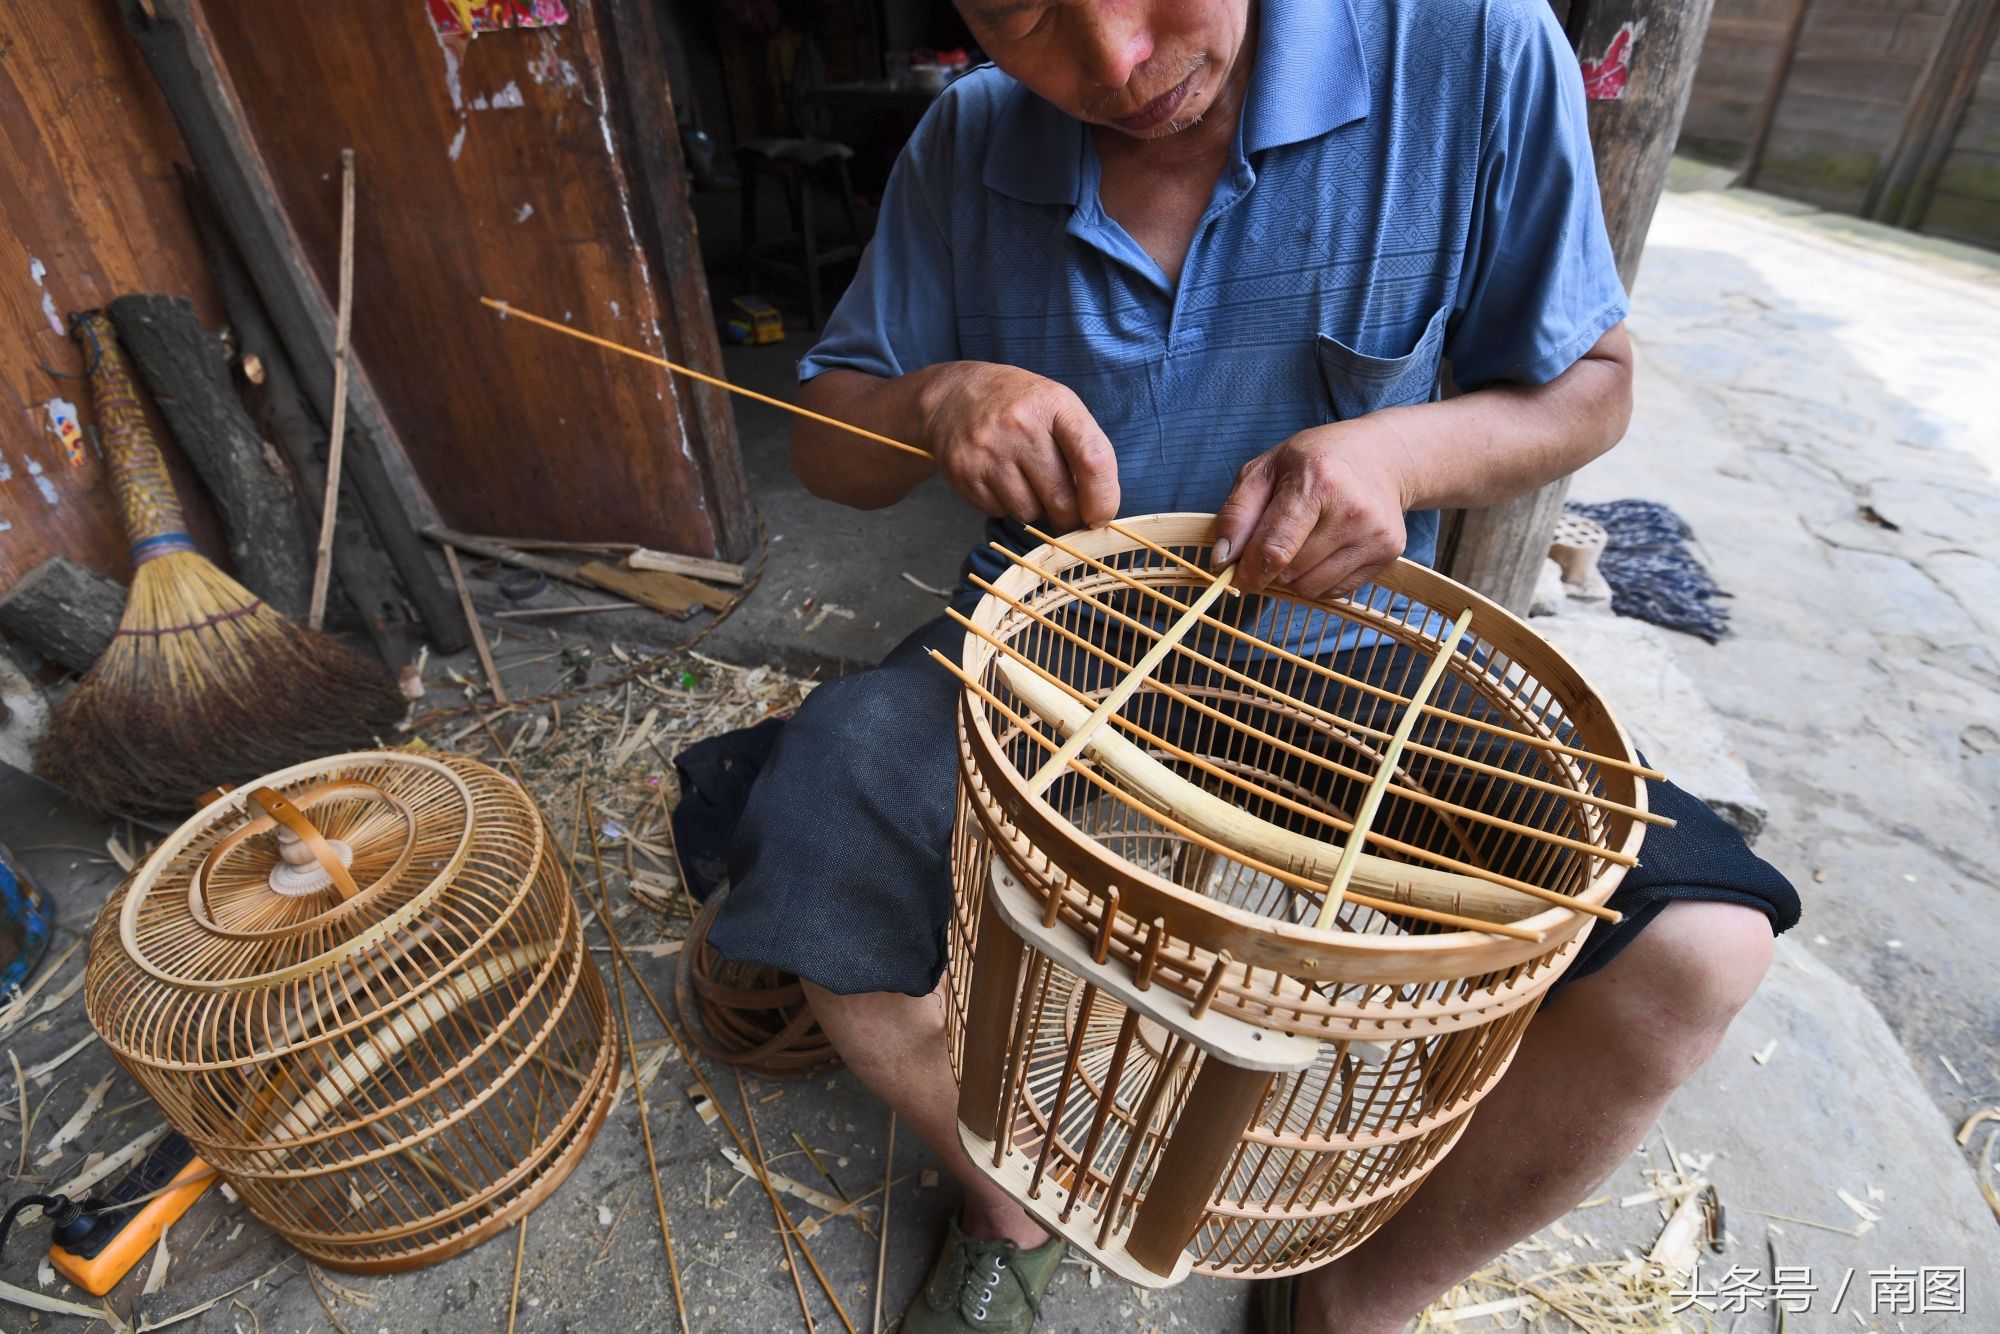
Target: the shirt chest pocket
(1359, 384)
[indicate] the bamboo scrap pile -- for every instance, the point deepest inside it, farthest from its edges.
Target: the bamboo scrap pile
(1562, 1278)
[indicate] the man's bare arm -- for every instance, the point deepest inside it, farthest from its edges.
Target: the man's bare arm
(1323, 511)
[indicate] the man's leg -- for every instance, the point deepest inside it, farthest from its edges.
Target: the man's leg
(896, 1044)
(1593, 1072)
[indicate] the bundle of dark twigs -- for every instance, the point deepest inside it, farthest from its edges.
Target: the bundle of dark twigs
(204, 683)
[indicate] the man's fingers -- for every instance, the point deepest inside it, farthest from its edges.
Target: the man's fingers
(1238, 516)
(1340, 572)
(1092, 463)
(1280, 535)
(1048, 474)
(1015, 493)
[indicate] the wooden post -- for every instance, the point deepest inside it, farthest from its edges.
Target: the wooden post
(1774, 92)
(1208, 1131)
(989, 1017)
(1901, 192)
(1499, 550)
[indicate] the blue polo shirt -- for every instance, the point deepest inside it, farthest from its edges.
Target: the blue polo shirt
(1411, 185)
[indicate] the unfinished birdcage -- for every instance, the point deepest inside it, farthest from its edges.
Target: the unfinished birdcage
(1200, 1025)
(359, 987)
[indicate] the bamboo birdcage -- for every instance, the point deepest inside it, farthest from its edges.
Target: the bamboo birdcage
(360, 988)
(1171, 1051)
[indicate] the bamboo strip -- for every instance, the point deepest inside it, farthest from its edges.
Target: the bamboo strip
(1372, 802)
(1278, 873)
(515, 312)
(472, 624)
(1126, 688)
(337, 428)
(589, 821)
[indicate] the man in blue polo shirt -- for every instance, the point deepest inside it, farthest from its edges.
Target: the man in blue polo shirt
(1219, 255)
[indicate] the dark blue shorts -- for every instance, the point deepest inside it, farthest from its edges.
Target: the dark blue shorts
(840, 866)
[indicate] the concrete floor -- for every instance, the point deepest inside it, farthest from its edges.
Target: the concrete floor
(1794, 370)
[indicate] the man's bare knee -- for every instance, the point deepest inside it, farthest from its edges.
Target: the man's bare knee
(1669, 997)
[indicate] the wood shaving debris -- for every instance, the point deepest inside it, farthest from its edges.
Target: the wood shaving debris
(95, 1172)
(703, 1108)
(1861, 1211)
(79, 1120)
(40, 1074)
(15, 1010)
(156, 1277)
(35, 1301)
(1763, 1054)
(831, 1206)
(1498, 1306)
(1951, 1069)
(1972, 1122)
(915, 582)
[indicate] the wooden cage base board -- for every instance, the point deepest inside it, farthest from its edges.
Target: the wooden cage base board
(1241, 1044)
(1014, 1173)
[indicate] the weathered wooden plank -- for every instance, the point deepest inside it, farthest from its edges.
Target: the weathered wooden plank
(1976, 221)
(88, 209)
(486, 165)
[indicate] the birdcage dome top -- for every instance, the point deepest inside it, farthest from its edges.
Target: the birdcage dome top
(309, 901)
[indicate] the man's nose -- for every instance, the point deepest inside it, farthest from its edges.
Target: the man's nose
(1112, 40)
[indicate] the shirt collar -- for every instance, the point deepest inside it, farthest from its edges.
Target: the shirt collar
(1310, 78)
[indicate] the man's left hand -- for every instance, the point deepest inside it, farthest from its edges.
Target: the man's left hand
(1320, 514)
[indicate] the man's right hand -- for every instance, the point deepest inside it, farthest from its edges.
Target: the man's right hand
(1016, 444)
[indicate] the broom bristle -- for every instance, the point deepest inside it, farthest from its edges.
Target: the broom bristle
(204, 685)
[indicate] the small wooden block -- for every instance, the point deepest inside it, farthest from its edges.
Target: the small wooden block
(714, 599)
(694, 567)
(641, 586)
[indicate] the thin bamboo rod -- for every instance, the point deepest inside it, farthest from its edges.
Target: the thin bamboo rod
(472, 624)
(882, 1240)
(516, 312)
(337, 428)
(1405, 790)
(780, 1217)
(589, 820)
(1126, 688)
(708, 1091)
(1372, 802)
(1340, 678)
(1134, 535)
(784, 1215)
(1201, 840)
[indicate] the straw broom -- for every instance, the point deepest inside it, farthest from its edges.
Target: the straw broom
(203, 684)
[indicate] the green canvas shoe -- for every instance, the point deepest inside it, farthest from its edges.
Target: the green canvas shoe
(991, 1287)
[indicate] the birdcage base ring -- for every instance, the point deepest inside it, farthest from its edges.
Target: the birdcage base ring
(557, 1170)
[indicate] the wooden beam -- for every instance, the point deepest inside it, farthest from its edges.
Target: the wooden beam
(1901, 191)
(1774, 93)
(1499, 550)
(176, 46)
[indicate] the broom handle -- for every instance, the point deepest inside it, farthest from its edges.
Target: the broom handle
(147, 505)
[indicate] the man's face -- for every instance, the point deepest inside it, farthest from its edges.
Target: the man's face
(1146, 68)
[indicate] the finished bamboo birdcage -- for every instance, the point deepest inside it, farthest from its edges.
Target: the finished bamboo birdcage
(360, 988)
(1172, 1049)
